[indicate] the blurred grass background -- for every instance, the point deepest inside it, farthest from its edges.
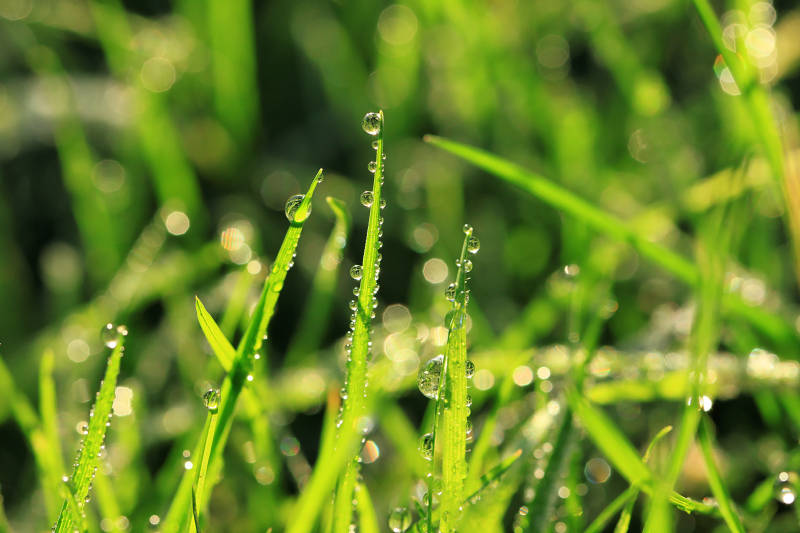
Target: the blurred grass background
(147, 150)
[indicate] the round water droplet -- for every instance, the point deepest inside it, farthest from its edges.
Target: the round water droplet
(426, 446)
(467, 229)
(450, 292)
(356, 272)
(470, 433)
(467, 265)
(399, 520)
(428, 377)
(372, 166)
(211, 400)
(383, 205)
(82, 427)
(473, 245)
(367, 198)
(470, 369)
(371, 123)
(110, 334)
(292, 207)
(374, 145)
(469, 400)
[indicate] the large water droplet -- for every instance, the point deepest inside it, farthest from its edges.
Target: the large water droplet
(292, 205)
(372, 166)
(473, 245)
(454, 319)
(211, 400)
(428, 377)
(426, 446)
(399, 519)
(356, 272)
(367, 198)
(371, 123)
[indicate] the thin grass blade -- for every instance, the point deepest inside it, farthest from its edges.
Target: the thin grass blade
(220, 345)
(726, 505)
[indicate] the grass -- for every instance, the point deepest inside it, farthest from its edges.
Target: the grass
(643, 263)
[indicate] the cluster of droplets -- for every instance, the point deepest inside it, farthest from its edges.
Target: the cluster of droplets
(786, 485)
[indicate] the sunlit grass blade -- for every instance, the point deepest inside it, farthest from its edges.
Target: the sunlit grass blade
(726, 505)
(568, 202)
(202, 468)
(244, 358)
(48, 409)
(540, 509)
(355, 387)
(312, 325)
(450, 423)
(88, 458)
(222, 348)
(367, 521)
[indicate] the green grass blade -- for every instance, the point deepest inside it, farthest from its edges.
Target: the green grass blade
(242, 364)
(202, 468)
(312, 325)
(367, 521)
(48, 410)
(540, 509)
(624, 521)
(621, 501)
(726, 505)
(89, 455)
(776, 327)
(220, 345)
(234, 311)
(356, 380)
(451, 401)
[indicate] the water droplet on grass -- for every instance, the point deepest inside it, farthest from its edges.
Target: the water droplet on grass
(372, 166)
(367, 198)
(450, 292)
(470, 369)
(473, 245)
(292, 205)
(467, 229)
(211, 400)
(428, 377)
(426, 446)
(356, 271)
(371, 123)
(399, 520)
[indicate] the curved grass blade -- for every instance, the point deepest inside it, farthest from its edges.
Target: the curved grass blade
(354, 406)
(220, 345)
(726, 506)
(776, 327)
(89, 455)
(242, 365)
(312, 325)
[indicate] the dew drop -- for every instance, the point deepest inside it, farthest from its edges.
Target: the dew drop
(467, 229)
(383, 205)
(786, 487)
(428, 377)
(454, 319)
(473, 245)
(372, 166)
(426, 446)
(110, 335)
(82, 427)
(470, 369)
(371, 123)
(450, 292)
(367, 198)
(211, 400)
(399, 519)
(374, 145)
(292, 206)
(356, 272)
(467, 265)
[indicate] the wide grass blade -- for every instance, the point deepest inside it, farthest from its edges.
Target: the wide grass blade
(774, 326)
(220, 345)
(242, 364)
(355, 387)
(88, 458)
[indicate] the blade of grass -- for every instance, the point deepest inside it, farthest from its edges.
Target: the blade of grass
(222, 348)
(311, 327)
(726, 505)
(48, 410)
(540, 509)
(89, 454)
(242, 364)
(353, 408)
(367, 521)
(777, 328)
(451, 400)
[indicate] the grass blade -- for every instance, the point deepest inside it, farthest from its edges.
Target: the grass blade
(243, 362)
(726, 505)
(354, 406)
(216, 339)
(547, 191)
(48, 410)
(367, 521)
(312, 325)
(89, 455)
